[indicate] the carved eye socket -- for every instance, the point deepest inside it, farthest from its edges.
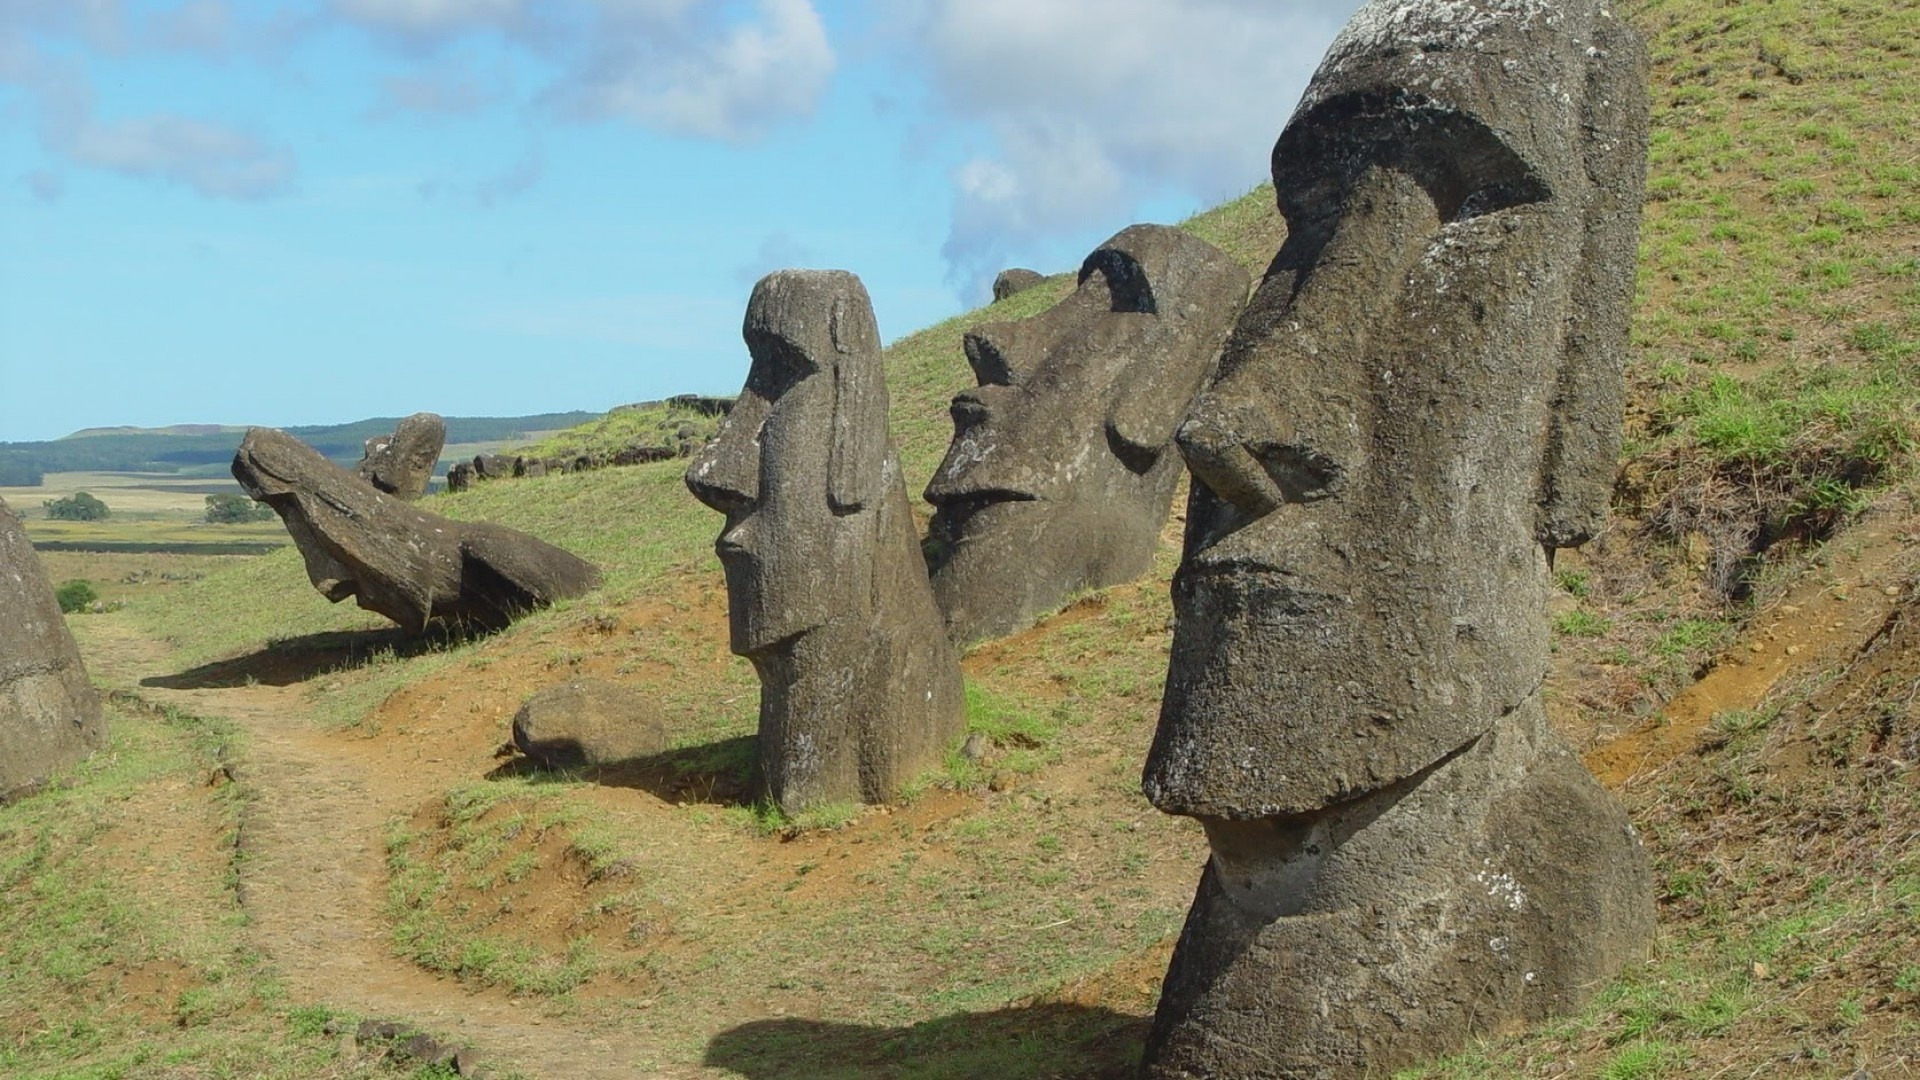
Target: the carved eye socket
(778, 365)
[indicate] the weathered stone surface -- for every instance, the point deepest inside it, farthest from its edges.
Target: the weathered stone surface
(588, 722)
(49, 712)
(493, 466)
(401, 464)
(460, 476)
(1015, 280)
(826, 591)
(1420, 403)
(394, 558)
(1062, 467)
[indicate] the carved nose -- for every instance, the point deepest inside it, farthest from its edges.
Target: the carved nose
(1217, 439)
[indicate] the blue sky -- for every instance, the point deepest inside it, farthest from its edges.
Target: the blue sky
(244, 211)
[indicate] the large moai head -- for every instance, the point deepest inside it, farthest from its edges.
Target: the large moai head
(1420, 403)
(49, 712)
(800, 465)
(1062, 467)
(826, 590)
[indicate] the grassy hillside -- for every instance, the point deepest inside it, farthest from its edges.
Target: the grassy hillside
(1013, 918)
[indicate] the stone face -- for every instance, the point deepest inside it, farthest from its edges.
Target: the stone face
(1015, 280)
(1062, 466)
(587, 722)
(401, 464)
(394, 558)
(49, 712)
(827, 594)
(1420, 403)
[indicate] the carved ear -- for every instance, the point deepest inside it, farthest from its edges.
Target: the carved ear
(858, 456)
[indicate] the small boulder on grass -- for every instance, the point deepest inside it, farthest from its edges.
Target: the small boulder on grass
(586, 722)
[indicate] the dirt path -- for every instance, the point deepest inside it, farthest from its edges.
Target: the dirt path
(311, 879)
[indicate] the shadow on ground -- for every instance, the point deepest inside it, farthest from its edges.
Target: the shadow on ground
(718, 772)
(295, 660)
(1033, 1042)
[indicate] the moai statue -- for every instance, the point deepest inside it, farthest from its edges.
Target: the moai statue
(1062, 465)
(826, 591)
(1420, 403)
(401, 464)
(49, 713)
(393, 557)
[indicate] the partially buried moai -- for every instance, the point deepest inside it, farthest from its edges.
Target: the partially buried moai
(1420, 404)
(826, 591)
(50, 714)
(1062, 465)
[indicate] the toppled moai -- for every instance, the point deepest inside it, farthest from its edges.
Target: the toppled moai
(49, 713)
(401, 464)
(826, 591)
(1062, 466)
(1419, 405)
(393, 557)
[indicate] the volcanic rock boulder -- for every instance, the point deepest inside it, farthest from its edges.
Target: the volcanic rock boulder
(827, 594)
(49, 713)
(1062, 465)
(1420, 404)
(1015, 280)
(394, 558)
(586, 722)
(401, 464)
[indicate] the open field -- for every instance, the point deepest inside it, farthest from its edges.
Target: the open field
(147, 512)
(1736, 658)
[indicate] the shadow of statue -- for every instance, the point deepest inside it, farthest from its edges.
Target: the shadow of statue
(295, 660)
(1054, 1041)
(719, 773)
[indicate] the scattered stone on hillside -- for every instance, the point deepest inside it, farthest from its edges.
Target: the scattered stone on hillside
(493, 466)
(394, 558)
(1419, 404)
(460, 476)
(49, 712)
(1062, 469)
(401, 464)
(827, 593)
(1015, 280)
(588, 722)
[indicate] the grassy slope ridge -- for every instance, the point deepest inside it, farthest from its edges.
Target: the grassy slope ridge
(1772, 392)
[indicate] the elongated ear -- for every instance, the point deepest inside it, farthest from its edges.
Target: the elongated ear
(857, 460)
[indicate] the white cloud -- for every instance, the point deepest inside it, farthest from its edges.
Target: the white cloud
(212, 159)
(201, 26)
(426, 21)
(730, 82)
(1095, 105)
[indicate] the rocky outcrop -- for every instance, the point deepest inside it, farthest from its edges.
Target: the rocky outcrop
(401, 464)
(50, 715)
(394, 558)
(1062, 469)
(1419, 405)
(827, 594)
(1015, 280)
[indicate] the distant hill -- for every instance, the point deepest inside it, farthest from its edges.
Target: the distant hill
(186, 447)
(171, 429)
